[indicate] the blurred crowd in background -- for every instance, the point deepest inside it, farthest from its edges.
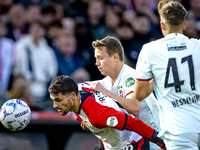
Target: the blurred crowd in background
(40, 39)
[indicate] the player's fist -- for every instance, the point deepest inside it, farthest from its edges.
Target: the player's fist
(97, 86)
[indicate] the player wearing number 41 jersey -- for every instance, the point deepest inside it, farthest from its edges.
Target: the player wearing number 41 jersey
(174, 64)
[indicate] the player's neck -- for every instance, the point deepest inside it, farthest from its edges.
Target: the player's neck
(116, 72)
(169, 32)
(77, 103)
(173, 29)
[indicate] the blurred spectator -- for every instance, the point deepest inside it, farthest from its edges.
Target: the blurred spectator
(142, 29)
(191, 29)
(35, 60)
(125, 4)
(84, 46)
(6, 59)
(59, 11)
(26, 3)
(76, 8)
(16, 24)
(126, 36)
(81, 75)
(95, 16)
(147, 8)
(112, 20)
(21, 90)
(128, 16)
(144, 7)
(4, 8)
(68, 24)
(48, 13)
(83, 33)
(84, 39)
(32, 14)
(53, 32)
(69, 59)
(195, 8)
(112, 5)
(195, 12)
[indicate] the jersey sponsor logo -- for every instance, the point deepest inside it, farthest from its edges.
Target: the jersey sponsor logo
(175, 47)
(112, 121)
(129, 82)
(185, 101)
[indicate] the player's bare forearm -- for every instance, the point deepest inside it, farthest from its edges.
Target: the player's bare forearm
(130, 104)
(143, 89)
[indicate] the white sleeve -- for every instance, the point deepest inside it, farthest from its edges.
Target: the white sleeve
(128, 84)
(143, 67)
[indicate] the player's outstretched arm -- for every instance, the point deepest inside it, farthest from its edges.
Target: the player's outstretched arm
(144, 130)
(102, 116)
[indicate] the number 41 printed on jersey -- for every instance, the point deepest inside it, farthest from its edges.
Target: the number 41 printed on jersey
(177, 83)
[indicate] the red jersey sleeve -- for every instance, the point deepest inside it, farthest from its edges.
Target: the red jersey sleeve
(102, 116)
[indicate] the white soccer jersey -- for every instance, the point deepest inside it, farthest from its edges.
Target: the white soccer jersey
(174, 64)
(124, 85)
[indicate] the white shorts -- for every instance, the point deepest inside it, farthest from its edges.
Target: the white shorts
(185, 141)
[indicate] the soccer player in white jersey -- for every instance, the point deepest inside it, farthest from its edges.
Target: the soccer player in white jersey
(119, 82)
(102, 115)
(173, 63)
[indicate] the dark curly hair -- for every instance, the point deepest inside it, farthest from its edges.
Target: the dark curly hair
(64, 85)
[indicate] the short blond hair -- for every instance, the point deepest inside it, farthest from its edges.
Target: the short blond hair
(112, 46)
(173, 12)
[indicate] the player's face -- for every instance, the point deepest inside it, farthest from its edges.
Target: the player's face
(62, 103)
(104, 62)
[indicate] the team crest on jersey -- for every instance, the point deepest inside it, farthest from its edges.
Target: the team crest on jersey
(129, 82)
(112, 121)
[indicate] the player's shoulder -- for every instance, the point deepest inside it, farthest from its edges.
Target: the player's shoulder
(128, 71)
(128, 77)
(151, 45)
(194, 41)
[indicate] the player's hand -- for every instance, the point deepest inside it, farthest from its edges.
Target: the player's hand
(97, 86)
(83, 126)
(158, 140)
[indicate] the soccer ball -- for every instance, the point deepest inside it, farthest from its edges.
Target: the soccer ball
(15, 114)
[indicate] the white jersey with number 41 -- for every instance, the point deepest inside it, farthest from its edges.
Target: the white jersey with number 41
(174, 64)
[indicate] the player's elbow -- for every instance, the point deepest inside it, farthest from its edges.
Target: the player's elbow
(139, 96)
(134, 110)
